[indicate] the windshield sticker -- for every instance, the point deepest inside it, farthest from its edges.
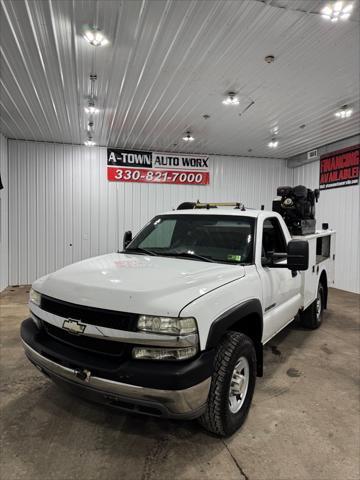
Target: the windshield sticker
(234, 258)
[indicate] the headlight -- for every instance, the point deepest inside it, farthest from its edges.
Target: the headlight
(35, 297)
(143, 353)
(167, 325)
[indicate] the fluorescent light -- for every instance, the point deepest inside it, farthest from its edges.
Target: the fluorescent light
(89, 36)
(337, 10)
(91, 110)
(337, 7)
(348, 8)
(188, 137)
(273, 143)
(95, 37)
(326, 11)
(344, 112)
(231, 99)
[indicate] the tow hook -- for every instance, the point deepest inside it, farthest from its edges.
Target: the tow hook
(83, 375)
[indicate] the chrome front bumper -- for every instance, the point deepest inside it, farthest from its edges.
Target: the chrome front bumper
(187, 403)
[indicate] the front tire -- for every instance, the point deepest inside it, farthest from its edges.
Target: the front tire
(312, 317)
(232, 385)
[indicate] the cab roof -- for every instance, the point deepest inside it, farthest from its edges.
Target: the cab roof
(221, 211)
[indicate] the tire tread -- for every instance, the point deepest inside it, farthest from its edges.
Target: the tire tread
(212, 418)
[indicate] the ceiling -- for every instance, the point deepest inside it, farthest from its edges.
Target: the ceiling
(169, 63)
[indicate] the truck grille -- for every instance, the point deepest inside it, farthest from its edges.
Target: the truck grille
(83, 342)
(90, 315)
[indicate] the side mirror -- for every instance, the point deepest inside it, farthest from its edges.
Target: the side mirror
(298, 255)
(266, 262)
(127, 238)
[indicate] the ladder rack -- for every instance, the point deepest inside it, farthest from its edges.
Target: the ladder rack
(208, 205)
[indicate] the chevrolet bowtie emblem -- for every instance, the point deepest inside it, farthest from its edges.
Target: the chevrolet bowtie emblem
(73, 326)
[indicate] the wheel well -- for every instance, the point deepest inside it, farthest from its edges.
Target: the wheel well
(324, 283)
(252, 327)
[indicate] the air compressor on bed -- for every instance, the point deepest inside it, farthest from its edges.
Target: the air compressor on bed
(297, 207)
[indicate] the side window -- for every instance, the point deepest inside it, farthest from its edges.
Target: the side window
(273, 240)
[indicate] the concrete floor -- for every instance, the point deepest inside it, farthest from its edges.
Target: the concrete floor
(304, 422)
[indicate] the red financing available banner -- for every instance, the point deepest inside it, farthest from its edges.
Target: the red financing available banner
(340, 168)
(156, 167)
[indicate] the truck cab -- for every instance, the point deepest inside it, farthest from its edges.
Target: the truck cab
(174, 324)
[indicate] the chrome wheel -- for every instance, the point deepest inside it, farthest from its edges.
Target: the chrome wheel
(318, 306)
(239, 385)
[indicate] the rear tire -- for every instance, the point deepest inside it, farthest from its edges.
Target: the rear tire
(312, 317)
(232, 385)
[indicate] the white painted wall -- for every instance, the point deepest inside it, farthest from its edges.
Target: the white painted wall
(63, 209)
(340, 208)
(4, 251)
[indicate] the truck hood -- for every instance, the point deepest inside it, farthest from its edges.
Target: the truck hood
(137, 283)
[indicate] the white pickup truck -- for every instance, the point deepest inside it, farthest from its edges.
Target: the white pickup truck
(174, 325)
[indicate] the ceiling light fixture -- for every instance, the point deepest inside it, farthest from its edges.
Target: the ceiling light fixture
(94, 36)
(338, 10)
(231, 99)
(269, 59)
(188, 137)
(89, 142)
(273, 143)
(91, 110)
(344, 112)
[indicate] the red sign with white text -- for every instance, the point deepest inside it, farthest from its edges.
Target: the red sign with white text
(152, 175)
(340, 168)
(157, 167)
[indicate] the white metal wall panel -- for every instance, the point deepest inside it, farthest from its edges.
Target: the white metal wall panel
(340, 208)
(63, 209)
(4, 247)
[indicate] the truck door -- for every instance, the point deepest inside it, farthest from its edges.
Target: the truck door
(280, 287)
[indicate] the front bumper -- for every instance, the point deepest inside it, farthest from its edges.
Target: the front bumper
(180, 402)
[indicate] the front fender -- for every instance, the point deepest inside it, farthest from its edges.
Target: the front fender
(223, 301)
(229, 318)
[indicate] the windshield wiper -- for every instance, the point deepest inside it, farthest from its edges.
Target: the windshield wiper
(139, 250)
(188, 255)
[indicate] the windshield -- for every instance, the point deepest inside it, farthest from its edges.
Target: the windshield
(221, 238)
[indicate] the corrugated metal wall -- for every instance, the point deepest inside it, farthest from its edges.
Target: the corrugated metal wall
(63, 209)
(340, 208)
(4, 251)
